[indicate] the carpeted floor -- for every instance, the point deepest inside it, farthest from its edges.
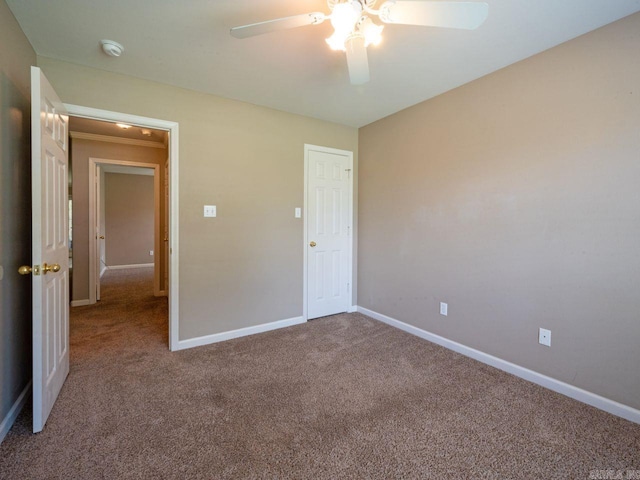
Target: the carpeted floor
(338, 397)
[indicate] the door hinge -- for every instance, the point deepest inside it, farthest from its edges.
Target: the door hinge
(348, 287)
(348, 170)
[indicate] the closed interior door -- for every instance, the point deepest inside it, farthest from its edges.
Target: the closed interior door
(329, 236)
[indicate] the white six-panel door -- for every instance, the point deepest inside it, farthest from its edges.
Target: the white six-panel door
(50, 249)
(329, 230)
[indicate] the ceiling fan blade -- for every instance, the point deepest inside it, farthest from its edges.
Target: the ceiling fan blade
(357, 60)
(285, 23)
(467, 15)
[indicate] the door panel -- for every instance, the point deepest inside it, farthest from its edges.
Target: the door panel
(49, 172)
(328, 227)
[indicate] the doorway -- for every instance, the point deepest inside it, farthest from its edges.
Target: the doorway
(127, 239)
(171, 162)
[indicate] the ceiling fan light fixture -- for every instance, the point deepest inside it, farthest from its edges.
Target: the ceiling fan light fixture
(336, 41)
(355, 30)
(372, 32)
(344, 18)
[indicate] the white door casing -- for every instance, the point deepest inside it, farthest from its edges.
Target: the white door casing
(328, 231)
(96, 210)
(50, 232)
(165, 245)
(99, 230)
(174, 200)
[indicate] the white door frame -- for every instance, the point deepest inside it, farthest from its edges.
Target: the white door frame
(94, 251)
(172, 128)
(305, 288)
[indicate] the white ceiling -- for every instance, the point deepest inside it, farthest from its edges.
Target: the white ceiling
(187, 43)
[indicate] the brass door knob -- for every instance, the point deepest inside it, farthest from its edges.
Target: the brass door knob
(25, 270)
(50, 268)
(312, 244)
(101, 237)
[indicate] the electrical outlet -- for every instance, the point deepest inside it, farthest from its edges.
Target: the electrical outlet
(444, 307)
(544, 337)
(151, 252)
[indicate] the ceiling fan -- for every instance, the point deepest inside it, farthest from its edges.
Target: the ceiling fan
(354, 29)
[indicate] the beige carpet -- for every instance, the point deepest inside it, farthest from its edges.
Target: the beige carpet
(339, 397)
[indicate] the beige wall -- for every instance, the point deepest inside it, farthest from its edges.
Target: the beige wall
(81, 151)
(516, 200)
(16, 57)
(244, 267)
(129, 219)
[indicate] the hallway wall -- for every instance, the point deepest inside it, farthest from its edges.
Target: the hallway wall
(81, 151)
(129, 217)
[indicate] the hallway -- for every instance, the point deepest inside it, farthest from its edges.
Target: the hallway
(126, 319)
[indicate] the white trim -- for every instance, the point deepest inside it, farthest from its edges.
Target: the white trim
(94, 261)
(81, 303)
(103, 269)
(174, 163)
(308, 147)
(241, 332)
(107, 138)
(584, 396)
(133, 265)
(14, 411)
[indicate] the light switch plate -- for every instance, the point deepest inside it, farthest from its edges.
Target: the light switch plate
(444, 307)
(210, 211)
(298, 212)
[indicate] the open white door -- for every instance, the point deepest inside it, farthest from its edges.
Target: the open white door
(49, 172)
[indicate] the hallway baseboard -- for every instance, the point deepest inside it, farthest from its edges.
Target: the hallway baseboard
(134, 265)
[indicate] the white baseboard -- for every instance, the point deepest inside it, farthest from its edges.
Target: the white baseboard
(595, 400)
(103, 269)
(352, 308)
(10, 417)
(241, 332)
(134, 265)
(80, 303)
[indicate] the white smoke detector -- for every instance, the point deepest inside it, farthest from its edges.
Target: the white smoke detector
(111, 48)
